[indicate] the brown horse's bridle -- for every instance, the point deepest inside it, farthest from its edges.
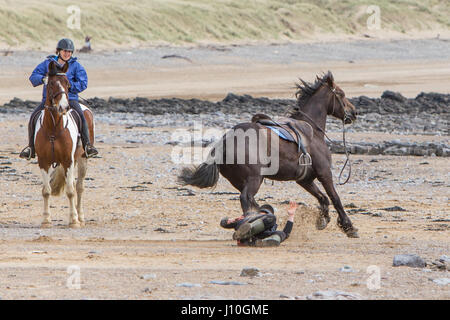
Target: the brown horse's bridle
(341, 103)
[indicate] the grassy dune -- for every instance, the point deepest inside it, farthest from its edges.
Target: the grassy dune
(38, 24)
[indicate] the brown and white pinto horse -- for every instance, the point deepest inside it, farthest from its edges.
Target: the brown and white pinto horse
(58, 148)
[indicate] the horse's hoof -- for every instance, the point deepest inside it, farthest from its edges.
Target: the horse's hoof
(82, 224)
(352, 233)
(321, 223)
(75, 225)
(46, 225)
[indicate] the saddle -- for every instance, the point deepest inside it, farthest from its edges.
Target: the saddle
(72, 114)
(76, 118)
(286, 129)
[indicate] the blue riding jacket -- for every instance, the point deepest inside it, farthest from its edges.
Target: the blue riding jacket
(76, 74)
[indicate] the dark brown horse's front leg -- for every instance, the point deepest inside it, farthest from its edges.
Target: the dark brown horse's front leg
(343, 220)
(324, 217)
(248, 202)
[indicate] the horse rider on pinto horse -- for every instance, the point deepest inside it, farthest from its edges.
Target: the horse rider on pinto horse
(78, 80)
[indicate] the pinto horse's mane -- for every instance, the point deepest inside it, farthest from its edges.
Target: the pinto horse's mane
(55, 69)
(305, 90)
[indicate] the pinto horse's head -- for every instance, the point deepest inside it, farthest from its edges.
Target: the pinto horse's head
(340, 107)
(58, 87)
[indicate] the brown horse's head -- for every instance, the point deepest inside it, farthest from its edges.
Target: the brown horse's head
(329, 96)
(340, 107)
(58, 87)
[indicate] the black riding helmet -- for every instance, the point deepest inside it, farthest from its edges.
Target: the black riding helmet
(267, 208)
(65, 44)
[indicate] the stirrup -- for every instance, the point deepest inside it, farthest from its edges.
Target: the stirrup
(307, 161)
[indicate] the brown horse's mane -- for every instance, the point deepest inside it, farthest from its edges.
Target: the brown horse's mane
(305, 90)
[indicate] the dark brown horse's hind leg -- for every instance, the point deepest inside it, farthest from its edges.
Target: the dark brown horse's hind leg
(248, 202)
(324, 218)
(344, 221)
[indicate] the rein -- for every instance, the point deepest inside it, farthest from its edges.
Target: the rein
(55, 134)
(347, 154)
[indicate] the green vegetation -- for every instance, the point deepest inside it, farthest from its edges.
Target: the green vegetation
(33, 23)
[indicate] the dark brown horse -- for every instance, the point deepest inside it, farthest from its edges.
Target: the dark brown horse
(314, 102)
(58, 148)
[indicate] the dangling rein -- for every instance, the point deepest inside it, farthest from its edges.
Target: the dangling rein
(347, 154)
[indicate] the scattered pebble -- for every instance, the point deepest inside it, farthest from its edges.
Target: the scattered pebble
(39, 252)
(395, 208)
(346, 269)
(409, 260)
(228, 283)
(188, 285)
(442, 281)
(333, 295)
(250, 272)
(148, 276)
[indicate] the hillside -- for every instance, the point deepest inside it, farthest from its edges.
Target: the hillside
(32, 24)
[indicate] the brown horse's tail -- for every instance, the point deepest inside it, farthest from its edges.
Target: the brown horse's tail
(205, 175)
(57, 181)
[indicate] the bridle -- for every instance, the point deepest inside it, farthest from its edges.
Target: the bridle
(346, 117)
(341, 103)
(54, 95)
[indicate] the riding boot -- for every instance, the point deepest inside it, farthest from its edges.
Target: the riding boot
(248, 230)
(272, 241)
(28, 152)
(89, 149)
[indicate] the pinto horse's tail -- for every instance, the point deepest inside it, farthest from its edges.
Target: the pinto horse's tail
(57, 181)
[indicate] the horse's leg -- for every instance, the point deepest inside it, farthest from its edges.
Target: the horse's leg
(70, 192)
(324, 217)
(82, 168)
(46, 190)
(344, 221)
(248, 202)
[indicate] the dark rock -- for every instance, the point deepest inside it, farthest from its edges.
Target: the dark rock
(396, 96)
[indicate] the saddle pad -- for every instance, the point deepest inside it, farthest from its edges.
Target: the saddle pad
(282, 133)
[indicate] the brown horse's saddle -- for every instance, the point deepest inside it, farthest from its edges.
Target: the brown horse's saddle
(287, 129)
